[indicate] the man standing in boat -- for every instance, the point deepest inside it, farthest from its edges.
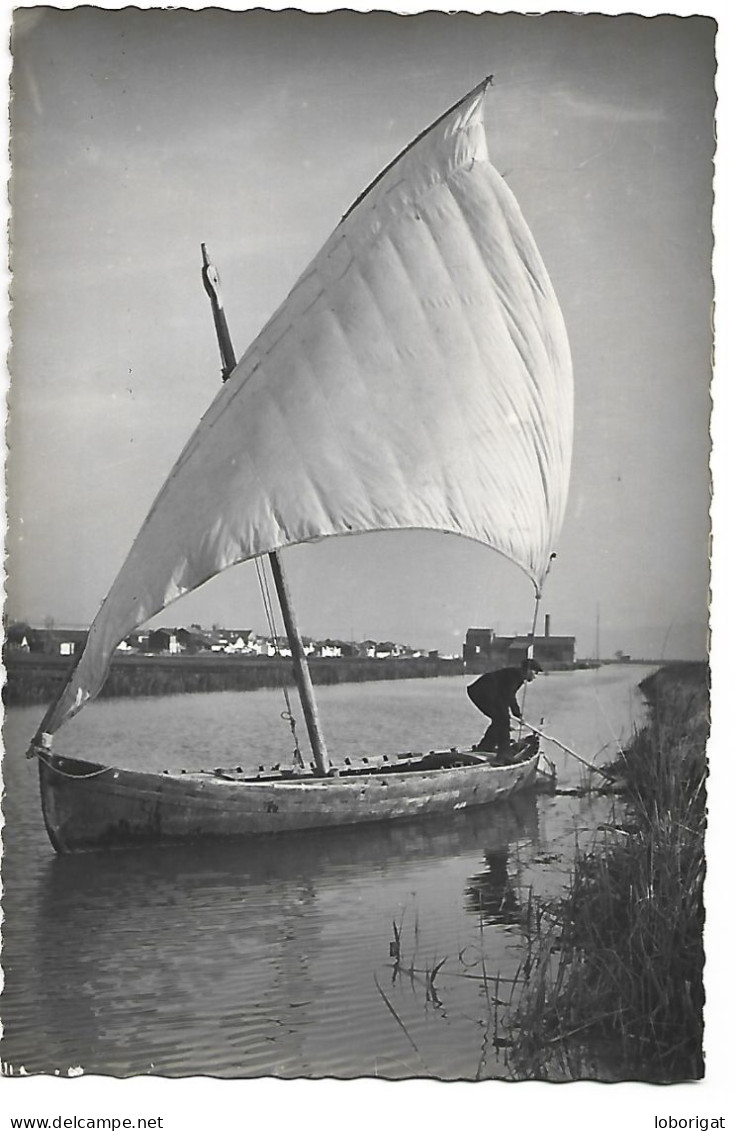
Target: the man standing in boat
(495, 694)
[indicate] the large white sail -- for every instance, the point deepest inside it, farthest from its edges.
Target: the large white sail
(417, 376)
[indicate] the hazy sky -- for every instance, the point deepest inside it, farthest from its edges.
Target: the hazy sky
(136, 135)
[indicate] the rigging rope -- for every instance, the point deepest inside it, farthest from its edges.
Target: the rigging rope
(537, 604)
(34, 752)
(267, 599)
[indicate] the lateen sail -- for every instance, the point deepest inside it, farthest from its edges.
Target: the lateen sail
(417, 376)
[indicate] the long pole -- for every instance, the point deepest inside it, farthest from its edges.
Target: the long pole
(301, 671)
(568, 749)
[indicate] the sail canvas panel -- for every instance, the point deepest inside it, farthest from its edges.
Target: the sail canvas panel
(417, 376)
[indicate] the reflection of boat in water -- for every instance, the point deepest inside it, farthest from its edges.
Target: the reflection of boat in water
(220, 957)
(325, 854)
(416, 377)
(493, 894)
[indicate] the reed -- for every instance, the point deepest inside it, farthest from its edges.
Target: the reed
(612, 986)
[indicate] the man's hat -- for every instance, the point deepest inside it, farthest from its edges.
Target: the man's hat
(531, 665)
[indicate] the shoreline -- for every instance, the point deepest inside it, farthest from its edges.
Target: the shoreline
(33, 679)
(614, 974)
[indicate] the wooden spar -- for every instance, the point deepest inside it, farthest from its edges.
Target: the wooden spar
(301, 672)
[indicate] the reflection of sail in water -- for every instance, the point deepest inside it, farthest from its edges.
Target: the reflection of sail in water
(230, 960)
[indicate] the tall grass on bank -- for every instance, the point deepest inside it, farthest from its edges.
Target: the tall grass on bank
(612, 986)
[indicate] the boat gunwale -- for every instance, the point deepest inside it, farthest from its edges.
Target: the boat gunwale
(55, 764)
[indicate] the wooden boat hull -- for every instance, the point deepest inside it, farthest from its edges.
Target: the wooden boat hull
(87, 806)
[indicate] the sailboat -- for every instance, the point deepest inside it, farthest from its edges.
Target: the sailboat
(417, 376)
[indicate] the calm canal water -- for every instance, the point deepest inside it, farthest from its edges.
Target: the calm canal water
(273, 959)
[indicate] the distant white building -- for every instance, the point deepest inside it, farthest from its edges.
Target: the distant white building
(233, 641)
(329, 649)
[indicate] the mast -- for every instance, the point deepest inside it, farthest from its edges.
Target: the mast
(210, 278)
(301, 671)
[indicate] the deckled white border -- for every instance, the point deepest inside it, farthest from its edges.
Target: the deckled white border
(193, 1104)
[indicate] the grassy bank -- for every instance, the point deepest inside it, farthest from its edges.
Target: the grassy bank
(36, 679)
(612, 987)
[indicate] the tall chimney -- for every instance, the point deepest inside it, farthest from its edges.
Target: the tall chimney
(547, 625)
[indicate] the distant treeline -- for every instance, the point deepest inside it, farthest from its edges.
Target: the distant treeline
(37, 678)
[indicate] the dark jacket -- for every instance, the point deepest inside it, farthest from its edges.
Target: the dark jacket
(496, 691)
